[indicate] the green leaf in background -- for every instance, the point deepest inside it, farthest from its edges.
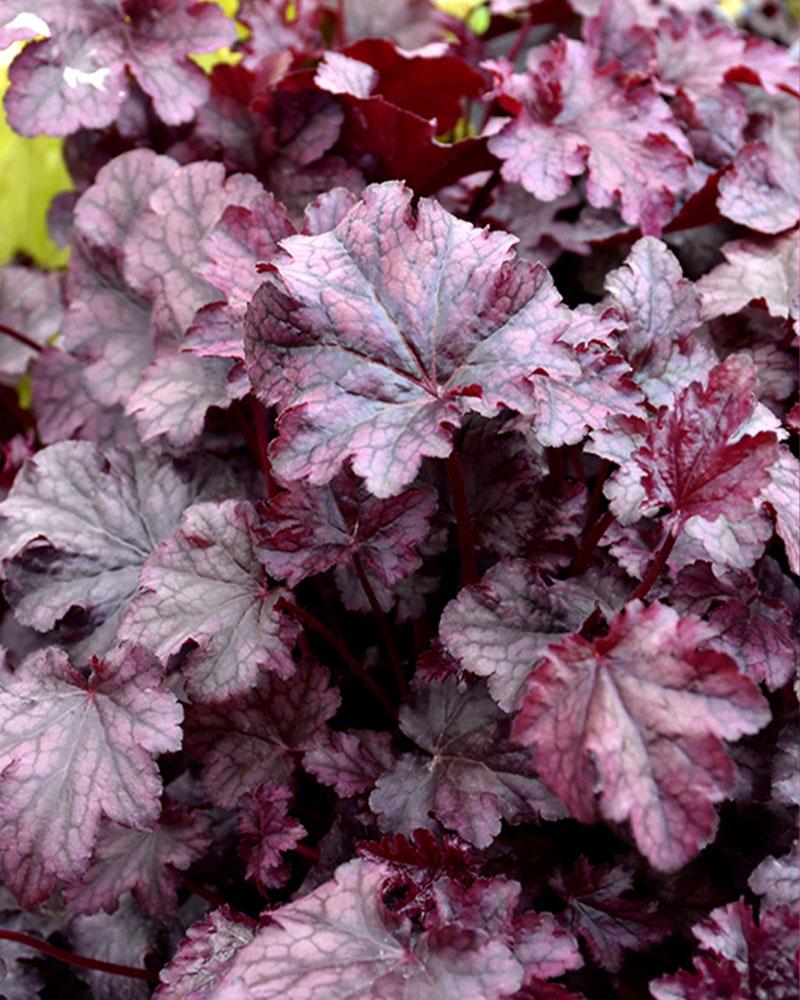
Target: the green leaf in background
(32, 171)
(225, 56)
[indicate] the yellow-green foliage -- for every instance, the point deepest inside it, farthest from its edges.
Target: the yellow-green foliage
(208, 60)
(32, 171)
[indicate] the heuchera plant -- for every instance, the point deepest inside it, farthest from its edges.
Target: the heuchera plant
(399, 504)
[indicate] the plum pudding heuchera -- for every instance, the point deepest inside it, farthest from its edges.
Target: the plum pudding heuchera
(400, 504)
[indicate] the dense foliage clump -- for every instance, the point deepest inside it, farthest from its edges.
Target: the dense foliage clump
(400, 503)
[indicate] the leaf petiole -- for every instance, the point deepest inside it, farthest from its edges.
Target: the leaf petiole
(80, 960)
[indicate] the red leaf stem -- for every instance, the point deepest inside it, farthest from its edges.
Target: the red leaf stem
(202, 893)
(597, 494)
(262, 437)
(519, 41)
(9, 331)
(307, 852)
(656, 566)
(483, 196)
(333, 640)
(590, 540)
(383, 624)
(466, 538)
(80, 960)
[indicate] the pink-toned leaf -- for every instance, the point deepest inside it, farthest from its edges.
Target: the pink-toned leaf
(277, 30)
(544, 949)
(338, 73)
(243, 237)
(308, 530)
(696, 461)
(127, 937)
(107, 213)
(606, 914)
(327, 211)
(75, 80)
(266, 830)
(147, 862)
(30, 302)
(352, 761)
(163, 259)
(64, 408)
(694, 60)
(739, 957)
(205, 584)
(338, 941)
(762, 189)
(204, 955)
(107, 327)
(77, 76)
(445, 309)
(411, 23)
(470, 777)
(775, 879)
(74, 749)
(566, 409)
(766, 270)
(770, 65)
(570, 118)
(659, 308)
(253, 737)
(727, 542)
(629, 728)
(786, 767)
(781, 494)
(108, 323)
(500, 627)
(81, 523)
(176, 391)
(753, 626)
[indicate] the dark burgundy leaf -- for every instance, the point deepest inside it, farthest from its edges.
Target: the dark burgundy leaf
(352, 761)
(754, 627)
(253, 738)
(205, 585)
(266, 830)
(629, 727)
(470, 777)
(604, 912)
(425, 82)
(570, 118)
(418, 863)
(698, 458)
(308, 530)
(739, 957)
(438, 344)
(73, 750)
(147, 862)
